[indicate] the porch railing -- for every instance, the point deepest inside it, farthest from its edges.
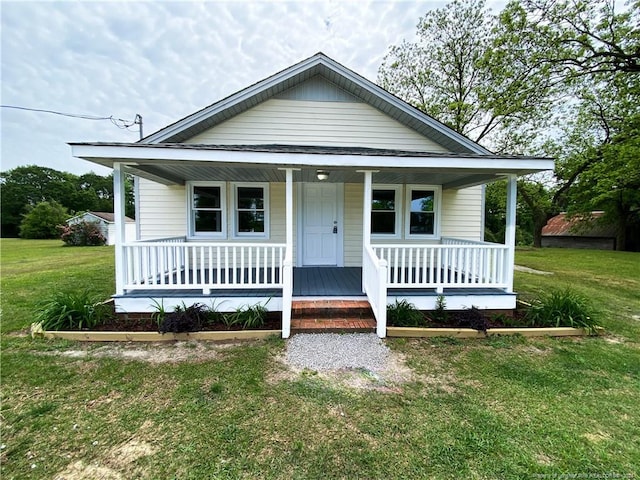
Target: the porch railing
(166, 263)
(374, 282)
(456, 263)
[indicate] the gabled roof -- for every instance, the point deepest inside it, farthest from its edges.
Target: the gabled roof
(578, 226)
(332, 71)
(108, 217)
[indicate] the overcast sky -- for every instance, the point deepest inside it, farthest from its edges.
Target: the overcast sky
(165, 60)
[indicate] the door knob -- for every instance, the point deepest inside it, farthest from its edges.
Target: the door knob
(335, 227)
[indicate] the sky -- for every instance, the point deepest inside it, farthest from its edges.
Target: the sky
(164, 60)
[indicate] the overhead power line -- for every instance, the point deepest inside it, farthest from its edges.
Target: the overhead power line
(118, 122)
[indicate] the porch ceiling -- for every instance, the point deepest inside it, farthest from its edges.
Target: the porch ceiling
(178, 163)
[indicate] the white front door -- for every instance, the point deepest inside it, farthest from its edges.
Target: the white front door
(320, 224)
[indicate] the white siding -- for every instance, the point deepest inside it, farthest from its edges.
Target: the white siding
(296, 122)
(353, 195)
(462, 213)
(163, 210)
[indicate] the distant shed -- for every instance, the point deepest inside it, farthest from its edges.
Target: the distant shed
(105, 221)
(579, 232)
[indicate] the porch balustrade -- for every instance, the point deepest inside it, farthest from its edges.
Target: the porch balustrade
(177, 264)
(374, 283)
(455, 263)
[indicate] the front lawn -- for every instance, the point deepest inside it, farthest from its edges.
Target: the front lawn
(497, 408)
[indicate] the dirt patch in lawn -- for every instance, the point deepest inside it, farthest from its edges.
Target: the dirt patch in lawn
(117, 459)
(157, 352)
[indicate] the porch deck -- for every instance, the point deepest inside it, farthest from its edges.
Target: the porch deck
(315, 282)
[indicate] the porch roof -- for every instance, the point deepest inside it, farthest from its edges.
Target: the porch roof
(176, 163)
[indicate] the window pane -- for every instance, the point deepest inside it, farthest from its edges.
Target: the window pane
(206, 197)
(207, 221)
(383, 222)
(250, 222)
(421, 223)
(383, 200)
(251, 198)
(422, 200)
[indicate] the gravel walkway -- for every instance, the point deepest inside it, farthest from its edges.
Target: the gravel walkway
(332, 351)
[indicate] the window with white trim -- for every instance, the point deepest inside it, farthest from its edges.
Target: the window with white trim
(207, 210)
(385, 209)
(251, 210)
(423, 204)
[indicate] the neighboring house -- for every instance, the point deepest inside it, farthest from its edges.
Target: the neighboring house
(579, 232)
(107, 225)
(312, 183)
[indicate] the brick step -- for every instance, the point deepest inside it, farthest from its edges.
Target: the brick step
(333, 325)
(331, 309)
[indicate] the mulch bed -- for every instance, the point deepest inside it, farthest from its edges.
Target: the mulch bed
(122, 324)
(476, 319)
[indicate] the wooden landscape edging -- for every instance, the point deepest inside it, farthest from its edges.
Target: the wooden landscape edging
(161, 337)
(471, 333)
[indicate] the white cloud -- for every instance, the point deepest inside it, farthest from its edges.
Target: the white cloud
(165, 60)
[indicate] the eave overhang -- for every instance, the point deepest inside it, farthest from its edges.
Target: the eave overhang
(178, 163)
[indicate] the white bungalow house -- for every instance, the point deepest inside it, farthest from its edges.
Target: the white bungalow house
(312, 183)
(107, 225)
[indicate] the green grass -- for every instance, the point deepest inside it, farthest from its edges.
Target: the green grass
(33, 270)
(500, 408)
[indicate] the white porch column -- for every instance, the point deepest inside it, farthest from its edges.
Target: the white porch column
(289, 208)
(287, 267)
(119, 218)
(366, 215)
(510, 231)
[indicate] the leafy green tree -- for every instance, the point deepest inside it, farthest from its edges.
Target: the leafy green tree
(24, 187)
(43, 220)
(463, 72)
(578, 37)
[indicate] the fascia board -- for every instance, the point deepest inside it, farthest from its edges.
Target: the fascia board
(108, 154)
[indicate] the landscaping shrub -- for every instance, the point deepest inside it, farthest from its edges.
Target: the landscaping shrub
(184, 319)
(440, 314)
(248, 317)
(82, 234)
(473, 318)
(404, 314)
(72, 311)
(562, 308)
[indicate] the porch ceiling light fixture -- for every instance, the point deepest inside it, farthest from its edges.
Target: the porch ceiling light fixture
(322, 175)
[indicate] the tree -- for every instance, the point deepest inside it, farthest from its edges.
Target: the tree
(579, 37)
(462, 72)
(43, 220)
(24, 187)
(591, 52)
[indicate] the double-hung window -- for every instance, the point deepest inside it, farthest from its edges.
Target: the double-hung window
(207, 202)
(385, 208)
(423, 204)
(251, 210)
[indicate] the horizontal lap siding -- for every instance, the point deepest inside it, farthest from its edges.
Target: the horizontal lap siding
(296, 122)
(163, 210)
(353, 194)
(462, 213)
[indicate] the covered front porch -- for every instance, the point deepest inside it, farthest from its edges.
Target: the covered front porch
(418, 263)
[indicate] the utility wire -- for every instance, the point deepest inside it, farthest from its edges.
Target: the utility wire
(118, 122)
